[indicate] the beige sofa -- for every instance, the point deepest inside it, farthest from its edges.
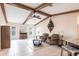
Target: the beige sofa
(54, 39)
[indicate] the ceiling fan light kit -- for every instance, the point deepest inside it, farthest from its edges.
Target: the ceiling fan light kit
(36, 16)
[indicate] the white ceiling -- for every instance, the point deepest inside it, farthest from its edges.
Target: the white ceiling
(60, 7)
(15, 14)
(18, 15)
(33, 5)
(56, 8)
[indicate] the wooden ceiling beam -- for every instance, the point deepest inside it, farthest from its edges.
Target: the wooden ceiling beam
(67, 12)
(36, 9)
(42, 6)
(27, 8)
(20, 6)
(43, 13)
(42, 20)
(27, 18)
(72, 11)
(4, 12)
(48, 15)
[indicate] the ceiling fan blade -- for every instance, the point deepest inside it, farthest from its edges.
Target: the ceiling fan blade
(38, 17)
(30, 15)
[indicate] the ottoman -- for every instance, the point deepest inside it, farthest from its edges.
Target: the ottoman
(37, 42)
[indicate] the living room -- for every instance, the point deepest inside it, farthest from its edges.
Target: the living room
(28, 22)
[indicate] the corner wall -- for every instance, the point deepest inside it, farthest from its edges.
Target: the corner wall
(65, 24)
(17, 30)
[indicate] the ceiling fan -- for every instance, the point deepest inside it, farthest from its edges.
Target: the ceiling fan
(36, 16)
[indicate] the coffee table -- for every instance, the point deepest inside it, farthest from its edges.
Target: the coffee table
(37, 42)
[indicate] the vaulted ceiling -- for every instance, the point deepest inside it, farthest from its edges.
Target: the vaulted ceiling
(22, 12)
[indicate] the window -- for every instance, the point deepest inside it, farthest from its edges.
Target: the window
(13, 31)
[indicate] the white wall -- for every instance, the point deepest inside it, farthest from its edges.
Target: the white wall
(17, 29)
(17, 25)
(23, 28)
(0, 38)
(28, 28)
(63, 24)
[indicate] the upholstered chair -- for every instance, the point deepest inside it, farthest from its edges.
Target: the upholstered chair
(53, 40)
(45, 36)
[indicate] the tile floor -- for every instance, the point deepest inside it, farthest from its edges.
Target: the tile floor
(26, 48)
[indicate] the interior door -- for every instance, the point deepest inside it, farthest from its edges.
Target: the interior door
(5, 37)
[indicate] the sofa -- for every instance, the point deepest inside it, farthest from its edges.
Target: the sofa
(54, 39)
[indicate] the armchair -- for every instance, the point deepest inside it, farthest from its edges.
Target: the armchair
(53, 40)
(45, 36)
